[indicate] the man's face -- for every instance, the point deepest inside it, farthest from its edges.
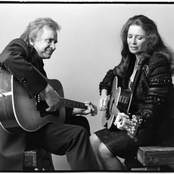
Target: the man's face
(45, 43)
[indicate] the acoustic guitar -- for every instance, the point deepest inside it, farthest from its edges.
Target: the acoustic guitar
(19, 112)
(119, 101)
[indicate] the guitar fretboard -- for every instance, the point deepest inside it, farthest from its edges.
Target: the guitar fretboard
(72, 104)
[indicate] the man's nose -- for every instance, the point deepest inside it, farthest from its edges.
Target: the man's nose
(53, 46)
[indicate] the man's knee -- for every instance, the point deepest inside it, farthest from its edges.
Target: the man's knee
(79, 138)
(81, 121)
(82, 131)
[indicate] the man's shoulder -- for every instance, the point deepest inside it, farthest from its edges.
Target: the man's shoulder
(17, 45)
(18, 41)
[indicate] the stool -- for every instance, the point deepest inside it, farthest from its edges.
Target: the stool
(155, 158)
(37, 160)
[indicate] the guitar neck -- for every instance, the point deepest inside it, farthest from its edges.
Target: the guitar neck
(72, 104)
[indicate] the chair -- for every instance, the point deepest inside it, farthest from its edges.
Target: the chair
(157, 158)
(152, 158)
(161, 157)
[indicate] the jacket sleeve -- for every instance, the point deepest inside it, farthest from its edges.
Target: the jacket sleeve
(15, 58)
(158, 90)
(106, 83)
(118, 71)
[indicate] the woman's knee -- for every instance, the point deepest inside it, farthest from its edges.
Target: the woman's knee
(99, 147)
(103, 152)
(95, 141)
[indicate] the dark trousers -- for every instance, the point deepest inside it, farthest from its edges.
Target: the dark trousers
(67, 139)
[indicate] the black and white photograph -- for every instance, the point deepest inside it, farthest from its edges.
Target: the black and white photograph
(86, 86)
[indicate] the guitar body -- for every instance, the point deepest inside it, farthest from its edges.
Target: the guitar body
(112, 111)
(119, 101)
(18, 111)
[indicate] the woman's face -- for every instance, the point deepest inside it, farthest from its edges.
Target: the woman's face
(135, 38)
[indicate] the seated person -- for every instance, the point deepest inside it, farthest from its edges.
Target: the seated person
(145, 69)
(23, 58)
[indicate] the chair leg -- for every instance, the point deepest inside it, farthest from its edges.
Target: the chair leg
(37, 160)
(30, 160)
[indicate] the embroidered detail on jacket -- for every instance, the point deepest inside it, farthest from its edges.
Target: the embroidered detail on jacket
(153, 99)
(146, 70)
(162, 80)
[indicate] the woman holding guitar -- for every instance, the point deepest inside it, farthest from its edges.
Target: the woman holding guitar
(145, 69)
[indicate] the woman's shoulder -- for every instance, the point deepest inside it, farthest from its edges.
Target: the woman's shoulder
(159, 57)
(159, 63)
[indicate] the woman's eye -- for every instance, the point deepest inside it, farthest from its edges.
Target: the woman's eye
(139, 38)
(129, 36)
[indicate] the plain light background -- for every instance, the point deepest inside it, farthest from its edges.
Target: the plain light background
(88, 45)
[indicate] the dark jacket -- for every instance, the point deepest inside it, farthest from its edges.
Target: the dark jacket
(151, 88)
(27, 67)
(23, 62)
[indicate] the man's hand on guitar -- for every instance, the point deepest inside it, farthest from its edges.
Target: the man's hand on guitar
(51, 97)
(91, 109)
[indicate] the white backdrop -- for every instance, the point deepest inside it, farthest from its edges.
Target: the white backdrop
(89, 42)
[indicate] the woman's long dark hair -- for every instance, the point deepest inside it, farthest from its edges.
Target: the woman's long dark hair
(153, 41)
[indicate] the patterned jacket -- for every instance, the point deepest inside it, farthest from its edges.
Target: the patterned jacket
(151, 88)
